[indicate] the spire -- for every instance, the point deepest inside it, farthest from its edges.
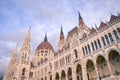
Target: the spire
(25, 50)
(45, 39)
(80, 18)
(81, 22)
(61, 34)
(14, 57)
(27, 40)
(61, 30)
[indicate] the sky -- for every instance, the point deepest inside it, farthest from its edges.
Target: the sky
(46, 16)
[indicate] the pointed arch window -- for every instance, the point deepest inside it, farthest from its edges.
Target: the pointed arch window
(23, 72)
(83, 50)
(89, 48)
(93, 46)
(86, 50)
(103, 40)
(118, 30)
(99, 43)
(96, 44)
(110, 36)
(106, 37)
(75, 51)
(116, 34)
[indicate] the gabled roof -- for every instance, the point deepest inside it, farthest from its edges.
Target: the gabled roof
(113, 17)
(102, 24)
(70, 33)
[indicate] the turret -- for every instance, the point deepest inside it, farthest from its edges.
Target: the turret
(61, 39)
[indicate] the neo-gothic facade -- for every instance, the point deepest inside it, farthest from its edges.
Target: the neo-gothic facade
(86, 54)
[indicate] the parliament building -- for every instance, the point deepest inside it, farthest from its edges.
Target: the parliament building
(85, 54)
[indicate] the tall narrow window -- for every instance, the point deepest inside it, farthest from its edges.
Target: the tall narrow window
(89, 48)
(106, 37)
(115, 34)
(118, 30)
(93, 46)
(96, 44)
(83, 50)
(110, 36)
(23, 72)
(99, 43)
(86, 50)
(103, 40)
(75, 51)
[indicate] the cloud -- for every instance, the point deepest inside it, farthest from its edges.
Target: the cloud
(46, 16)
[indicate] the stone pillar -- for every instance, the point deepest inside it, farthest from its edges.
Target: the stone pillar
(74, 73)
(96, 70)
(84, 72)
(66, 76)
(109, 67)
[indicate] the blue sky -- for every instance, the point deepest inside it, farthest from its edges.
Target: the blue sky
(46, 16)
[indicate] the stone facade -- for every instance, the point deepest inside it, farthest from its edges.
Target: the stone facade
(86, 54)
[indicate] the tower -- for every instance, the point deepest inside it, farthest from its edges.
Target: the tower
(24, 59)
(82, 29)
(61, 39)
(11, 65)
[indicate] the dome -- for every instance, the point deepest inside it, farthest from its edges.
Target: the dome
(44, 46)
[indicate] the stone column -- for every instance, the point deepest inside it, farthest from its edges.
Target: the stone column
(109, 67)
(74, 73)
(84, 72)
(96, 70)
(66, 75)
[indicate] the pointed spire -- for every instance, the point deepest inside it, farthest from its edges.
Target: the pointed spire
(14, 57)
(81, 22)
(45, 39)
(27, 39)
(61, 30)
(61, 34)
(80, 18)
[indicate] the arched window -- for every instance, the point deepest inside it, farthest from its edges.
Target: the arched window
(86, 50)
(83, 50)
(110, 36)
(23, 72)
(106, 37)
(103, 41)
(89, 48)
(75, 51)
(99, 43)
(115, 34)
(93, 46)
(96, 44)
(118, 30)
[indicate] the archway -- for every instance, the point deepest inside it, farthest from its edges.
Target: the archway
(103, 70)
(114, 59)
(91, 73)
(57, 76)
(79, 72)
(63, 75)
(69, 74)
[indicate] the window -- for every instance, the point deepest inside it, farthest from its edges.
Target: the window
(106, 37)
(23, 72)
(86, 50)
(83, 50)
(103, 41)
(110, 36)
(118, 30)
(115, 34)
(93, 46)
(96, 44)
(99, 43)
(75, 51)
(89, 48)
